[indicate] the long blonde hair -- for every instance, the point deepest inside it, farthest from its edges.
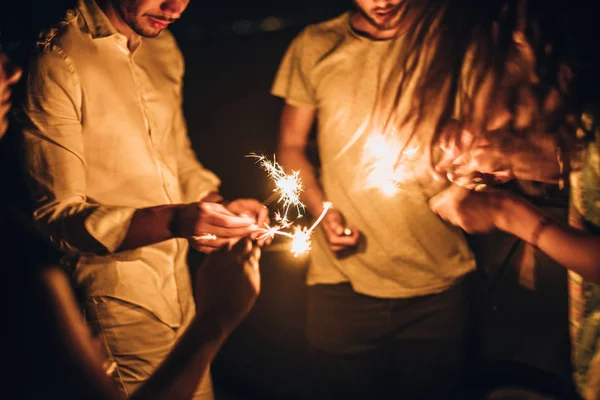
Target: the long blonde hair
(463, 57)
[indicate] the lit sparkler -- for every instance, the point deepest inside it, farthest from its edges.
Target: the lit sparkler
(302, 236)
(287, 186)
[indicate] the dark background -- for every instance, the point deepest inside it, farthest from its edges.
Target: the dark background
(232, 50)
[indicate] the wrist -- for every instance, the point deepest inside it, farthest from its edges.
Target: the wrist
(505, 208)
(213, 327)
(176, 220)
(518, 218)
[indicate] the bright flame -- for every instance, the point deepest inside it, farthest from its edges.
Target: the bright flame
(380, 155)
(301, 241)
(301, 238)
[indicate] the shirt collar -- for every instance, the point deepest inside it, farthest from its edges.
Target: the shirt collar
(98, 24)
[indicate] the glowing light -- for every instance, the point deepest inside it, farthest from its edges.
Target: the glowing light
(301, 241)
(287, 186)
(301, 238)
(381, 155)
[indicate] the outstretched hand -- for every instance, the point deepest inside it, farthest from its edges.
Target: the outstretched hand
(473, 211)
(228, 283)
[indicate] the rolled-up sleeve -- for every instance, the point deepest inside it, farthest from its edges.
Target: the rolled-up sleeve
(195, 180)
(56, 166)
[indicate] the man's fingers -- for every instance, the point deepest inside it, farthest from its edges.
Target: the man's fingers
(263, 216)
(333, 226)
(210, 208)
(228, 233)
(204, 249)
(348, 238)
(219, 221)
(215, 244)
(15, 75)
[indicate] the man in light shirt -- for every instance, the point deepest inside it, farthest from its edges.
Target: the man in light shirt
(114, 180)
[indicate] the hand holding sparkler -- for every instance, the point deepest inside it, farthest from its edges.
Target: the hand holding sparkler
(338, 235)
(301, 238)
(254, 209)
(210, 226)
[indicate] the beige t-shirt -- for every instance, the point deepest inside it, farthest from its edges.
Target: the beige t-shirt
(406, 249)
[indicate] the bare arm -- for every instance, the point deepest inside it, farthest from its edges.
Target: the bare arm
(576, 250)
(69, 337)
(228, 285)
(296, 123)
(478, 212)
(9, 75)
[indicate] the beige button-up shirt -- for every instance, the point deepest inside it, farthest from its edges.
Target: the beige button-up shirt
(105, 135)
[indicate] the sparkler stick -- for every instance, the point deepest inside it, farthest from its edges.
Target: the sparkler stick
(301, 238)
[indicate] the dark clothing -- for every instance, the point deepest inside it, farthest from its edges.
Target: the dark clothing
(373, 348)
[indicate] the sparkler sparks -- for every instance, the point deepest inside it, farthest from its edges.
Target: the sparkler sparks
(287, 186)
(302, 236)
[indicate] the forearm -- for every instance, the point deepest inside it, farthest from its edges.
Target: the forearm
(576, 250)
(151, 225)
(178, 376)
(70, 340)
(294, 158)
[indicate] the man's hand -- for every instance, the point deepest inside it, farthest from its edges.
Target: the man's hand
(9, 75)
(338, 235)
(254, 209)
(228, 283)
(473, 211)
(211, 226)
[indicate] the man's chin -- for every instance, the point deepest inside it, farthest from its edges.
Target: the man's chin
(147, 32)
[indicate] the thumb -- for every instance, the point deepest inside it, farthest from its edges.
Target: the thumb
(336, 226)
